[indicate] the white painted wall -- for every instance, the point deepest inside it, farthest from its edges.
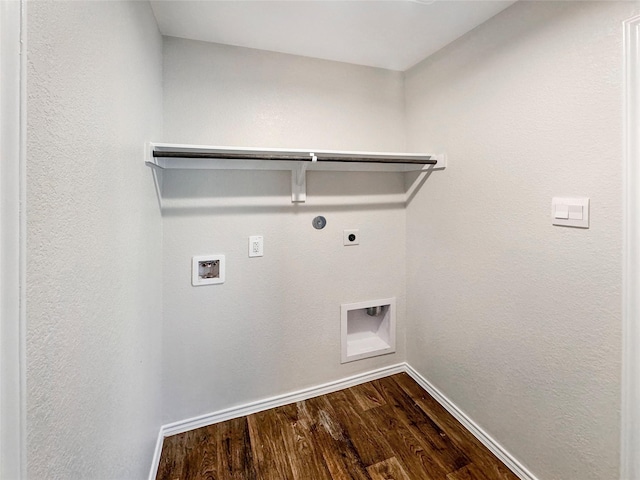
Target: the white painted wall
(523, 329)
(94, 240)
(223, 95)
(274, 326)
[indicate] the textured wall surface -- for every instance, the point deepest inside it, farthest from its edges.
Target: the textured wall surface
(94, 236)
(523, 329)
(274, 326)
(223, 95)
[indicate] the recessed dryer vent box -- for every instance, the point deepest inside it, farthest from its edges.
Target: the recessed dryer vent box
(368, 329)
(207, 270)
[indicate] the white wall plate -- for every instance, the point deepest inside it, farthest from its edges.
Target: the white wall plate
(570, 211)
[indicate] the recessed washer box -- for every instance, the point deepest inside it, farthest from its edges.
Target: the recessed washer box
(368, 329)
(207, 270)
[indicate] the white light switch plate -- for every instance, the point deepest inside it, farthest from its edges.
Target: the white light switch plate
(570, 211)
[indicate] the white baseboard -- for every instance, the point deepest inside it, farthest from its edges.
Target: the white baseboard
(498, 450)
(278, 401)
(261, 405)
(155, 462)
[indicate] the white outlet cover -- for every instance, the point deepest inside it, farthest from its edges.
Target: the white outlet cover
(256, 246)
(345, 237)
(197, 280)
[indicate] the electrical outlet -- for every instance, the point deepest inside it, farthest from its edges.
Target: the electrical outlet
(351, 237)
(207, 270)
(256, 246)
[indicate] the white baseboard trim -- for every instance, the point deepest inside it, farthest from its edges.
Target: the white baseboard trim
(278, 401)
(261, 405)
(155, 462)
(498, 450)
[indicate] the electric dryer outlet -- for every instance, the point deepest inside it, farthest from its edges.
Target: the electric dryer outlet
(351, 237)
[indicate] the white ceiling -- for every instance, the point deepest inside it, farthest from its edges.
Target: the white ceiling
(392, 34)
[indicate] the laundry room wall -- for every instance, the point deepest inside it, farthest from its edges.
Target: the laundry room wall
(93, 299)
(515, 320)
(274, 325)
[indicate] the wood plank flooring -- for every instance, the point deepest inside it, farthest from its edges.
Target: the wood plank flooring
(388, 429)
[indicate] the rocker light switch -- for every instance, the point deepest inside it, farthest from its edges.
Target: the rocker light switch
(561, 211)
(575, 212)
(570, 212)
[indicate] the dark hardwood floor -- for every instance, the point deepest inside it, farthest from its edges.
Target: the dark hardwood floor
(381, 430)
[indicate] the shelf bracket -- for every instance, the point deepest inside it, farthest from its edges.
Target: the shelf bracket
(299, 181)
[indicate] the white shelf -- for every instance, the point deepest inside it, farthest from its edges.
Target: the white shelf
(297, 161)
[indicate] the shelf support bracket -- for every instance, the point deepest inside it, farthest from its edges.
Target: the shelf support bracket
(299, 180)
(299, 183)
